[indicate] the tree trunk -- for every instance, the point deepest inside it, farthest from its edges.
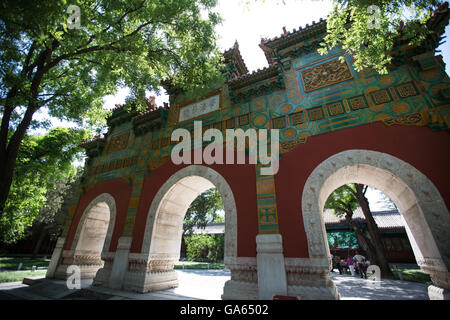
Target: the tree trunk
(363, 240)
(9, 149)
(8, 160)
(38, 245)
(375, 237)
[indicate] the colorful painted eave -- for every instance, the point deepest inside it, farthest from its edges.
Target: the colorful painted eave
(437, 23)
(149, 120)
(93, 147)
(439, 19)
(293, 37)
(233, 55)
(256, 76)
(259, 82)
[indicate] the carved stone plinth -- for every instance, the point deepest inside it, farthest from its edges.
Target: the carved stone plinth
(309, 279)
(103, 274)
(148, 273)
(244, 279)
(89, 264)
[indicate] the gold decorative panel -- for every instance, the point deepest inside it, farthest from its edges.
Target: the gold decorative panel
(358, 103)
(380, 96)
(325, 74)
(315, 114)
(296, 118)
(279, 123)
(118, 142)
(244, 120)
(406, 90)
(335, 109)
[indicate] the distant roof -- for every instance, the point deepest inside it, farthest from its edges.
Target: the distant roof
(390, 219)
(211, 228)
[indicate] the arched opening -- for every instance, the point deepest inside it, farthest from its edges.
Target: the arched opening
(93, 231)
(154, 267)
(427, 219)
(92, 239)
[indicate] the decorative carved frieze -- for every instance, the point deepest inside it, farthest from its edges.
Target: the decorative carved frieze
(335, 108)
(325, 74)
(358, 103)
(113, 165)
(315, 114)
(87, 260)
(409, 119)
(289, 145)
(380, 96)
(297, 118)
(118, 142)
(406, 90)
(279, 123)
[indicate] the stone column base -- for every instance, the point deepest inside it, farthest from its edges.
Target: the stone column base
(240, 290)
(244, 279)
(86, 271)
(143, 282)
(152, 272)
(437, 293)
(439, 275)
(309, 279)
(89, 264)
(103, 274)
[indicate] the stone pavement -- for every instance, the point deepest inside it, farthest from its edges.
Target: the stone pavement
(355, 288)
(207, 284)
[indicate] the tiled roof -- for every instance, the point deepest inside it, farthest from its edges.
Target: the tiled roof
(384, 219)
(211, 228)
(233, 54)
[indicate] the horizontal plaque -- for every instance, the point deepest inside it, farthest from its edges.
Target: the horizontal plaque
(199, 108)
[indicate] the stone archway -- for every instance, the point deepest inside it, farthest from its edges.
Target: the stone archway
(92, 240)
(418, 200)
(152, 269)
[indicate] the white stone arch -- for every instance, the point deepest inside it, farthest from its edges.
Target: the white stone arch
(86, 253)
(152, 269)
(175, 196)
(418, 200)
(103, 207)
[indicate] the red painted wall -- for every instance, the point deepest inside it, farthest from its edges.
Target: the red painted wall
(242, 180)
(120, 190)
(424, 149)
(427, 151)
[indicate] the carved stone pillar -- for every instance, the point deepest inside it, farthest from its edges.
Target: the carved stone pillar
(56, 257)
(271, 270)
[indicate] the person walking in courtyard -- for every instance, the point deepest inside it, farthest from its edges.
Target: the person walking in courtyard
(361, 265)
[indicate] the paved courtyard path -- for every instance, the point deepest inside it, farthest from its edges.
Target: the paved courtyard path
(208, 284)
(355, 288)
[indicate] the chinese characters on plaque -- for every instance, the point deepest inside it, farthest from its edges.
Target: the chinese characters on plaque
(197, 109)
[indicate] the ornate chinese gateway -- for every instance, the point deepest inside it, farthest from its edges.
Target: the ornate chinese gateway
(336, 126)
